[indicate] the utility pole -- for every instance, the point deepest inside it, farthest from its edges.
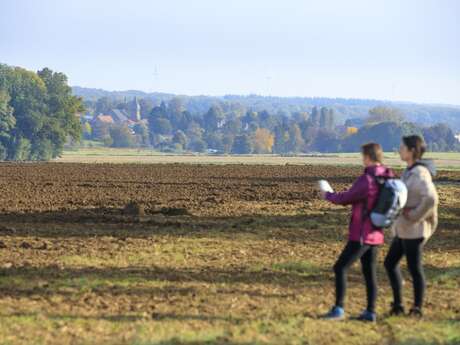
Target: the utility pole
(156, 77)
(268, 78)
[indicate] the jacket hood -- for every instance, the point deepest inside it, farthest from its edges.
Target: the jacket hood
(379, 171)
(427, 163)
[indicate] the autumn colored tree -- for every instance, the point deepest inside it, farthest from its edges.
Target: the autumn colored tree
(263, 141)
(296, 141)
(352, 130)
(87, 130)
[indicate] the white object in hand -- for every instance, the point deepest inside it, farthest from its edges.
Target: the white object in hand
(324, 186)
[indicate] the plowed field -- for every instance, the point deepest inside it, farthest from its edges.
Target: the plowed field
(199, 254)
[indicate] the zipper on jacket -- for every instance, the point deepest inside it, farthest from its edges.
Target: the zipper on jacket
(363, 222)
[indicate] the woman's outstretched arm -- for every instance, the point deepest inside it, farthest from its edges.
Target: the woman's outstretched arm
(357, 192)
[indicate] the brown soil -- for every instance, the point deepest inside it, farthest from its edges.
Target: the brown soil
(195, 244)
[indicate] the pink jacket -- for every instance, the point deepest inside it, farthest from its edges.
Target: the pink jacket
(363, 192)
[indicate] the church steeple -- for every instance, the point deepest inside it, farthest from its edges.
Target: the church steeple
(136, 109)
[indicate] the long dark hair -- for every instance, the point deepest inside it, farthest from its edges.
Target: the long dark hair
(416, 145)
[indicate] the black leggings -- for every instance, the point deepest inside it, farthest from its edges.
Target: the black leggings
(352, 252)
(413, 250)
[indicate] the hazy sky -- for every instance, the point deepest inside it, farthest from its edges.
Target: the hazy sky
(383, 49)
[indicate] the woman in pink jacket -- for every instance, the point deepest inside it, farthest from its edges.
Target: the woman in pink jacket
(363, 238)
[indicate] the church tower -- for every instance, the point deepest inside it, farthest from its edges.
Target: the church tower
(135, 110)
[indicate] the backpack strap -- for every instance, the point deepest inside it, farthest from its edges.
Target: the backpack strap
(365, 212)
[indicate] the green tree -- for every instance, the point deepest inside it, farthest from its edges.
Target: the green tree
(107, 141)
(7, 123)
(387, 134)
(315, 117)
(100, 130)
(214, 140)
(122, 136)
(20, 149)
(440, 137)
(160, 125)
(325, 141)
(160, 111)
(281, 139)
(242, 144)
(267, 120)
(176, 106)
(45, 112)
(146, 105)
(232, 126)
(142, 132)
(213, 118)
(103, 105)
(227, 142)
(197, 145)
(194, 131)
(180, 138)
(327, 119)
(27, 93)
(62, 110)
(251, 117)
(176, 113)
(384, 114)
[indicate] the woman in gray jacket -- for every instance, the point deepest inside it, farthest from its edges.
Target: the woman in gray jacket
(414, 226)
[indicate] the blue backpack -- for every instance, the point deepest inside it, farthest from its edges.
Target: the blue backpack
(391, 200)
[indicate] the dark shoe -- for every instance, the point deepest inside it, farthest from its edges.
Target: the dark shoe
(367, 316)
(396, 310)
(416, 312)
(336, 313)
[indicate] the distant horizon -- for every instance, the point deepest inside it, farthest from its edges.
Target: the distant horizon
(268, 96)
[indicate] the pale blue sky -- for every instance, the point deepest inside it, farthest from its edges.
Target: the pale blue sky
(383, 49)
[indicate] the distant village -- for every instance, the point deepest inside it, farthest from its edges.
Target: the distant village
(231, 128)
(129, 117)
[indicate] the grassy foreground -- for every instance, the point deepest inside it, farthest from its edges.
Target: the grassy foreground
(444, 160)
(264, 283)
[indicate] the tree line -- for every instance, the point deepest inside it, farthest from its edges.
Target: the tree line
(225, 128)
(422, 114)
(37, 114)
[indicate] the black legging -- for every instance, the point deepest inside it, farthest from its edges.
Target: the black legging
(368, 255)
(412, 248)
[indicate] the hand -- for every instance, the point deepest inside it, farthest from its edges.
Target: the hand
(323, 194)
